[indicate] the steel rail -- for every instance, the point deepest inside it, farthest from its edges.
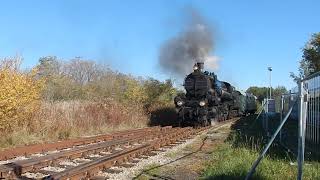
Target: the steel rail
(89, 169)
(40, 148)
(148, 139)
(15, 169)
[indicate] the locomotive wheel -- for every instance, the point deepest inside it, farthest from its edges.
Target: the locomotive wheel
(202, 121)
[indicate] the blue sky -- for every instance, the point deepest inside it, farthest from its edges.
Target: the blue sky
(127, 35)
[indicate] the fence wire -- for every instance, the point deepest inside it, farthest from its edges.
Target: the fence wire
(313, 114)
(299, 130)
(288, 136)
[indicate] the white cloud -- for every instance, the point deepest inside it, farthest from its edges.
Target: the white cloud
(211, 63)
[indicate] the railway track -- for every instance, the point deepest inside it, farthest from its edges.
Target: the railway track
(86, 158)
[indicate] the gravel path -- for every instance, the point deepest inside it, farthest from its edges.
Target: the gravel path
(168, 159)
(159, 159)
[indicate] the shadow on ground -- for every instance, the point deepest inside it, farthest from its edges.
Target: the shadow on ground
(248, 132)
(164, 117)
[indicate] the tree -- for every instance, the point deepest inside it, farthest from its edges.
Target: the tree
(67, 80)
(159, 93)
(310, 62)
(49, 66)
(278, 91)
(57, 84)
(11, 63)
(19, 94)
(311, 53)
(261, 92)
(82, 71)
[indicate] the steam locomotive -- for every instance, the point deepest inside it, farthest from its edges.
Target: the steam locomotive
(208, 100)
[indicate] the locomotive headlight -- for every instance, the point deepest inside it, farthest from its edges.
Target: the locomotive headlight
(202, 103)
(179, 103)
(195, 68)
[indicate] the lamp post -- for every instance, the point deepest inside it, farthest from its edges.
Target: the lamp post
(268, 101)
(270, 69)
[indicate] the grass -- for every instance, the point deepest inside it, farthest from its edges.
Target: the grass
(148, 171)
(172, 155)
(71, 119)
(234, 163)
(234, 158)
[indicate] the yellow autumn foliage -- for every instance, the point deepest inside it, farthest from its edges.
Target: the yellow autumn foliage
(19, 98)
(135, 92)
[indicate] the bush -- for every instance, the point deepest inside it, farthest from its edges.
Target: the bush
(77, 118)
(19, 98)
(63, 99)
(134, 92)
(159, 94)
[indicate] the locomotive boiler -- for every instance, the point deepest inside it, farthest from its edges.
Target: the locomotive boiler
(207, 99)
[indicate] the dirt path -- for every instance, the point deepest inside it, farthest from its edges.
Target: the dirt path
(188, 162)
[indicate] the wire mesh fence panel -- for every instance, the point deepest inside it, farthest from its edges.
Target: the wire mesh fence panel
(289, 133)
(299, 130)
(313, 115)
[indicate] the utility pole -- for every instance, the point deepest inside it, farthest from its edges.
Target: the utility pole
(270, 69)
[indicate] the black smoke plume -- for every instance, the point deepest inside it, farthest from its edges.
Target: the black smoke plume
(193, 44)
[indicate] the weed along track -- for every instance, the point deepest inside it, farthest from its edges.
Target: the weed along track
(87, 157)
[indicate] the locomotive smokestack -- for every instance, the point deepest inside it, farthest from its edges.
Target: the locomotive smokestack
(200, 65)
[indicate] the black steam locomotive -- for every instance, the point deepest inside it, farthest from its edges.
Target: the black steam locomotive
(207, 100)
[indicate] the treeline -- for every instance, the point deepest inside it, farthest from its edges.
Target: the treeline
(263, 92)
(59, 99)
(79, 79)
